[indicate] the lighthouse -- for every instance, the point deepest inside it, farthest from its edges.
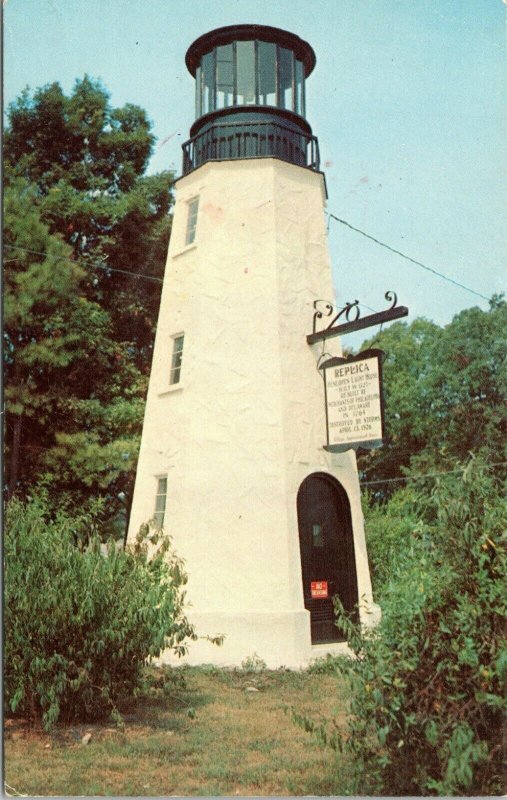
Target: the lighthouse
(232, 463)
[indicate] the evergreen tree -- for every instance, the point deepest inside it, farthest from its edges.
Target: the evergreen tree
(87, 161)
(86, 234)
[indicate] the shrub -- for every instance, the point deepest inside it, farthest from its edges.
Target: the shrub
(427, 696)
(79, 624)
(389, 527)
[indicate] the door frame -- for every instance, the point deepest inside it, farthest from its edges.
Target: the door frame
(344, 544)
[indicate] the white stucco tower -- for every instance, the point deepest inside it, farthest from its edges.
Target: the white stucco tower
(232, 463)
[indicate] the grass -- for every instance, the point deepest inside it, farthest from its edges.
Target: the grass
(211, 737)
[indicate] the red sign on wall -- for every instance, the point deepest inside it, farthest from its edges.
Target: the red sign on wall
(318, 589)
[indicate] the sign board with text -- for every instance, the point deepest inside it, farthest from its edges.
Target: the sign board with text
(354, 402)
(318, 589)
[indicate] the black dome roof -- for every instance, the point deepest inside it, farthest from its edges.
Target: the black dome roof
(208, 41)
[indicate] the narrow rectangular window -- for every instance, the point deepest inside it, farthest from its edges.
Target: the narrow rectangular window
(177, 357)
(246, 72)
(225, 76)
(193, 207)
(208, 82)
(267, 73)
(160, 500)
(286, 62)
(198, 93)
(317, 536)
(300, 89)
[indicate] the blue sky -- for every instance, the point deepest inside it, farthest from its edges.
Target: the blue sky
(407, 100)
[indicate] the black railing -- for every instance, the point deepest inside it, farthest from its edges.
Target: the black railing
(234, 140)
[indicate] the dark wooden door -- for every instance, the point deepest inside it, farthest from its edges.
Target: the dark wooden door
(327, 553)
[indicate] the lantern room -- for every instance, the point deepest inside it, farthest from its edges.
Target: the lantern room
(250, 97)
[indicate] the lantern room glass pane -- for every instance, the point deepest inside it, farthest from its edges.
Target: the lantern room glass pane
(208, 83)
(245, 60)
(198, 93)
(225, 76)
(300, 89)
(267, 74)
(286, 79)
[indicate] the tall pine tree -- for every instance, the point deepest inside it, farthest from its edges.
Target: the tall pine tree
(86, 234)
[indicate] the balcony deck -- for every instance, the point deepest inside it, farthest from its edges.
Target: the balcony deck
(224, 141)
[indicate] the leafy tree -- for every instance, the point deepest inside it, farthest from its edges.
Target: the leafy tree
(83, 221)
(389, 528)
(445, 392)
(71, 415)
(428, 685)
(88, 161)
(468, 385)
(81, 624)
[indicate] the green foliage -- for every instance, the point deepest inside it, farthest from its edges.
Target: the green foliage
(445, 394)
(389, 527)
(253, 663)
(428, 685)
(78, 334)
(81, 622)
(52, 332)
(325, 665)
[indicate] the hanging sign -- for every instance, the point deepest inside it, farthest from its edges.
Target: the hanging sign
(354, 402)
(318, 589)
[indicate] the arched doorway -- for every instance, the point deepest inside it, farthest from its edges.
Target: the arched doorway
(327, 553)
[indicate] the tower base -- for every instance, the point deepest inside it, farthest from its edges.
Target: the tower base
(278, 639)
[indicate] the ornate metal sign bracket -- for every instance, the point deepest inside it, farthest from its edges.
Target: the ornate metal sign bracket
(325, 309)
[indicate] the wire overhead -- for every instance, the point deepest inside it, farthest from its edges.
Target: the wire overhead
(408, 258)
(85, 264)
(423, 476)
(107, 268)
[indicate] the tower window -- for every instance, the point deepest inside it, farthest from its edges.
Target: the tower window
(176, 360)
(317, 536)
(193, 207)
(160, 501)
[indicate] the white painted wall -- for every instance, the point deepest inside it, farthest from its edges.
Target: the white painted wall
(246, 424)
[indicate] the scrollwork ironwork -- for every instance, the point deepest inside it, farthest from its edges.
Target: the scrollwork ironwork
(392, 297)
(323, 308)
(328, 310)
